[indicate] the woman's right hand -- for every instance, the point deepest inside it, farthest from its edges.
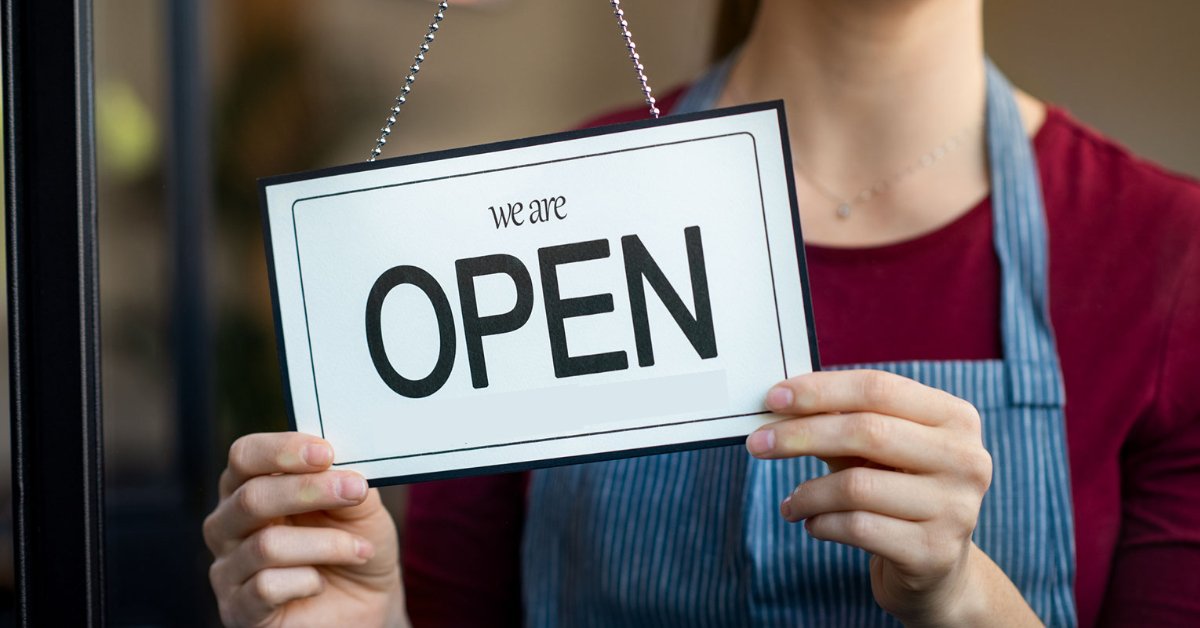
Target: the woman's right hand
(299, 544)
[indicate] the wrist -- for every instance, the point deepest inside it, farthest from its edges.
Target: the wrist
(984, 596)
(955, 599)
(967, 604)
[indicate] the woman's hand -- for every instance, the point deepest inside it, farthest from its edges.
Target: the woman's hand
(298, 544)
(908, 475)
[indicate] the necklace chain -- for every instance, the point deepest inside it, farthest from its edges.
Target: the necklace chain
(845, 205)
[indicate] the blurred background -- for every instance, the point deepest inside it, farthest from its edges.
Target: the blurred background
(196, 100)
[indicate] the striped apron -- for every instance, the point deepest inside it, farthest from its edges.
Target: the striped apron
(696, 539)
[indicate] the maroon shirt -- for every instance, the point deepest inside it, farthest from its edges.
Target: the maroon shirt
(1124, 239)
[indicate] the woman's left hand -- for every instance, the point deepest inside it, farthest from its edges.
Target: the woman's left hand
(908, 475)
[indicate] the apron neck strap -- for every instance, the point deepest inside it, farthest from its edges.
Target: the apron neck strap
(703, 94)
(1019, 223)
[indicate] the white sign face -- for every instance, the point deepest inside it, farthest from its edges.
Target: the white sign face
(589, 295)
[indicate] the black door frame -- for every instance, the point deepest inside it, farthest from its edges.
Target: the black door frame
(54, 333)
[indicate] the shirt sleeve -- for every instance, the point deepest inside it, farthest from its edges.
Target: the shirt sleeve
(1156, 571)
(461, 551)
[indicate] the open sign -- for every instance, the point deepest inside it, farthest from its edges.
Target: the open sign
(582, 296)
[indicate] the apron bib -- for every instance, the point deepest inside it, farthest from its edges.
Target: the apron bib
(695, 538)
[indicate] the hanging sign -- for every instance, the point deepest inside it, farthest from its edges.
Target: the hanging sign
(583, 296)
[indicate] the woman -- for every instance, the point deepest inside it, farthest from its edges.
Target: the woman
(978, 278)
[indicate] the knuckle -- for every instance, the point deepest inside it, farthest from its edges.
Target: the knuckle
(974, 465)
(264, 545)
(978, 465)
(859, 526)
(334, 546)
(858, 485)
(216, 576)
(315, 583)
(964, 516)
(984, 469)
(238, 453)
(969, 415)
(878, 387)
(264, 586)
(815, 526)
(871, 430)
(344, 546)
(247, 499)
(212, 534)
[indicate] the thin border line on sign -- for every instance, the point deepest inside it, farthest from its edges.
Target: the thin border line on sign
(550, 438)
(770, 269)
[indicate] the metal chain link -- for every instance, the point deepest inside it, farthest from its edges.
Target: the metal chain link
(429, 37)
(409, 80)
(633, 56)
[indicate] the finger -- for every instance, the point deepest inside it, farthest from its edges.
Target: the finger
(899, 495)
(270, 589)
(293, 546)
(276, 452)
(877, 438)
(261, 500)
(869, 391)
(894, 539)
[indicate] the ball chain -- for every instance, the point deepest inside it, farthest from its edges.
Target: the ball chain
(409, 80)
(633, 56)
(415, 68)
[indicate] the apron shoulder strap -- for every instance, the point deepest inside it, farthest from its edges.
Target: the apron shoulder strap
(1030, 355)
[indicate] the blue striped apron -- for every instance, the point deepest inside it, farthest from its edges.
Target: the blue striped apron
(695, 538)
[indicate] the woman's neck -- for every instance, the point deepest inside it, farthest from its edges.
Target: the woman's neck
(870, 87)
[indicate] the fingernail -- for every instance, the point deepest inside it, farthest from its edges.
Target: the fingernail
(761, 442)
(317, 454)
(779, 398)
(352, 487)
(363, 548)
(786, 508)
